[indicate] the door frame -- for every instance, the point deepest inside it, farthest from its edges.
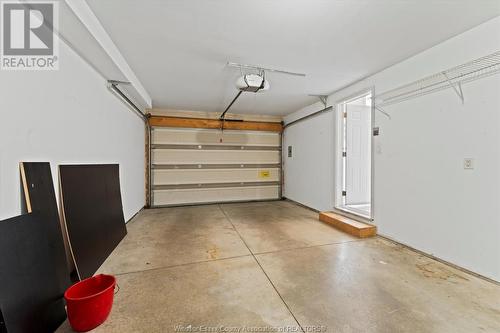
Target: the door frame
(338, 158)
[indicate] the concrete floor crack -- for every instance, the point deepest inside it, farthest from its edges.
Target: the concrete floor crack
(262, 268)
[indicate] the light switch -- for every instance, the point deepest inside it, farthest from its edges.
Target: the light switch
(468, 163)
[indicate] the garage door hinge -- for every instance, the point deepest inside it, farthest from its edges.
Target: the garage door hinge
(344, 154)
(344, 193)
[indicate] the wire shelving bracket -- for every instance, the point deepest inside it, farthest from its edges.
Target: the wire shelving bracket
(322, 98)
(385, 113)
(450, 78)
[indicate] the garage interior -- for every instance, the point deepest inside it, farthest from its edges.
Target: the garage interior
(263, 166)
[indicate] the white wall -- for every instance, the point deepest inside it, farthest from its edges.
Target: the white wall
(423, 196)
(67, 116)
(308, 176)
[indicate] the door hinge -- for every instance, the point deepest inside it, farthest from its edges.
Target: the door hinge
(345, 114)
(344, 154)
(344, 193)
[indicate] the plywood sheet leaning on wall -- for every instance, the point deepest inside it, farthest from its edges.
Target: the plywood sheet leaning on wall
(40, 198)
(92, 206)
(31, 299)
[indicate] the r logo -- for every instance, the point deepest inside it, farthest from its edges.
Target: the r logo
(27, 29)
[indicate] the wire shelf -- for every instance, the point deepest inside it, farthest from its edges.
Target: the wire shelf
(451, 78)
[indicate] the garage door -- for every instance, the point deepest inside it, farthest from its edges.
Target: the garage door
(191, 165)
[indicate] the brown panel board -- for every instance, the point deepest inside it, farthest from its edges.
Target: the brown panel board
(31, 299)
(214, 124)
(41, 199)
(93, 212)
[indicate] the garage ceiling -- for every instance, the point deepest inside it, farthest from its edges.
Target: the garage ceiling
(179, 49)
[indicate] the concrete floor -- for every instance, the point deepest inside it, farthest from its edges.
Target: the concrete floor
(265, 266)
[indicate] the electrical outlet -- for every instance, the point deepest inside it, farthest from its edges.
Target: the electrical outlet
(468, 163)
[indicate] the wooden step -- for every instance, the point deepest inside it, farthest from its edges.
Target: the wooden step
(350, 226)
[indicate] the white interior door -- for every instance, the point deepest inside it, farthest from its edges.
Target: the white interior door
(358, 155)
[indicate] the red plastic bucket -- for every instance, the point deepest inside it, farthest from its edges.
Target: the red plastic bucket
(89, 302)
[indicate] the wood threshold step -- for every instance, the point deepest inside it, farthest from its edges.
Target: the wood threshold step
(350, 226)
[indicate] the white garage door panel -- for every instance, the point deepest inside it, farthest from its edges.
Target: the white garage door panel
(190, 166)
(196, 176)
(181, 156)
(207, 136)
(188, 196)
